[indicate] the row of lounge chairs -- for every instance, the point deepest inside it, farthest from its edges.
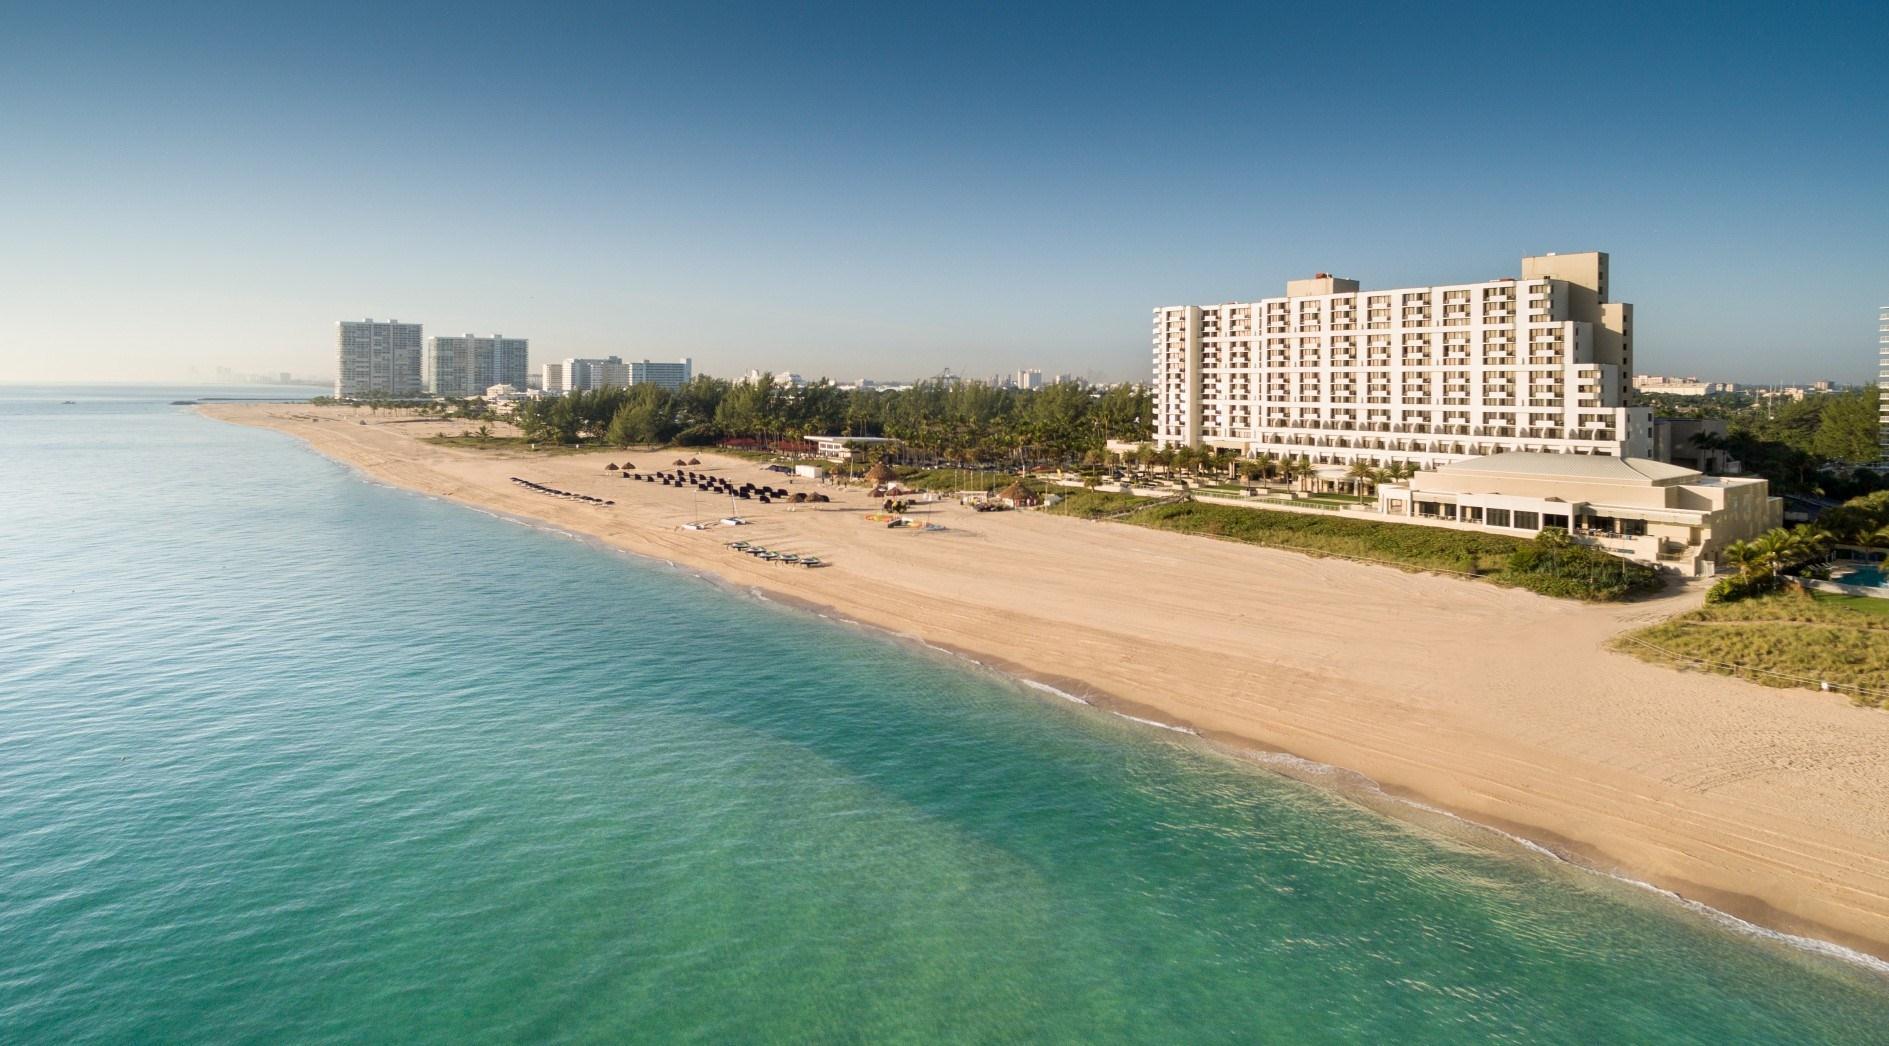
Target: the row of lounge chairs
(713, 484)
(556, 493)
(772, 556)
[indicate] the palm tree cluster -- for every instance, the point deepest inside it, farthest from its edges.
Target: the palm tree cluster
(1777, 551)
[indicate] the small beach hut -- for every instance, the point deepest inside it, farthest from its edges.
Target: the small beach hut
(1017, 495)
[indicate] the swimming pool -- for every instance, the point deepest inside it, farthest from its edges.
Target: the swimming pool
(1870, 576)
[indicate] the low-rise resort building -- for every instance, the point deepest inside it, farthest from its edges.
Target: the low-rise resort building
(1636, 508)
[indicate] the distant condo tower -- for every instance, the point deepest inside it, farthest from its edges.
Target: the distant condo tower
(1420, 374)
(582, 375)
(378, 359)
(467, 365)
(671, 376)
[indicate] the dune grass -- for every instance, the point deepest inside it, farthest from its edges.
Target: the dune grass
(1094, 504)
(1788, 639)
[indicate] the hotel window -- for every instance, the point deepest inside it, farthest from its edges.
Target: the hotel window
(1527, 520)
(1496, 517)
(1555, 520)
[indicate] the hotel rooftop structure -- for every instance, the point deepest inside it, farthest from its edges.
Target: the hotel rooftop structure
(1333, 374)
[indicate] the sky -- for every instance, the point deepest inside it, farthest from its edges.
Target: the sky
(886, 191)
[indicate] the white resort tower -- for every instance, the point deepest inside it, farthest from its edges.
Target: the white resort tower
(1428, 375)
(378, 359)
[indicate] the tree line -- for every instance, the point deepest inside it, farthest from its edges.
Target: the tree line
(955, 421)
(1807, 446)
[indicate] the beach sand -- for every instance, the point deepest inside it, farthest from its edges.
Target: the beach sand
(1497, 705)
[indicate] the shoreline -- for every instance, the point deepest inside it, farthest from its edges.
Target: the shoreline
(1801, 879)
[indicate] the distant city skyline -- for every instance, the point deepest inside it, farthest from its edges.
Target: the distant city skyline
(890, 193)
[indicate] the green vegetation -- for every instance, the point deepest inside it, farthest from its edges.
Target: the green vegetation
(1763, 561)
(1859, 521)
(476, 442)
(1420, 548)
(1810, 446)
(1557, 565)
(1786, 639)
(955, 421)
(1095, 504)
(1552, 564)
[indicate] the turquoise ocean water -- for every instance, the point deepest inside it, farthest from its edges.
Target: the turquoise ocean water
(289, 756)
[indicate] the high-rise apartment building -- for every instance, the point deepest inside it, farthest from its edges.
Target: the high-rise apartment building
(378, 359)
(1333, 374)
(671, 376)
(467, 365)
(1882, 378)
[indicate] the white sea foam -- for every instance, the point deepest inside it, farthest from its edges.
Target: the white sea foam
(1156, 723)
(1828, 949)
(1046, 688)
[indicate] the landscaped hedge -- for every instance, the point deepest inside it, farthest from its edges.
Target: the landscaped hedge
(1426, 548)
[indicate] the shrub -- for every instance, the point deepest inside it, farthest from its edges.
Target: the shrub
(1555, 565)
(1421, 548)
(1093, 503)
(1742, 586)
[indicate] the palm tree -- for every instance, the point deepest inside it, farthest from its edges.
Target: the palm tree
(1360, 473)
(1743, 555)
(1778, 549)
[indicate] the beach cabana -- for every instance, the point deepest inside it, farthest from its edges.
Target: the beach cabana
(1017, 495)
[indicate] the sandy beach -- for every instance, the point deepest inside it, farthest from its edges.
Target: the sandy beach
(1497, 705)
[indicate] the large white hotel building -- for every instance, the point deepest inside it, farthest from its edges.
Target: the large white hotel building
(1429, 375)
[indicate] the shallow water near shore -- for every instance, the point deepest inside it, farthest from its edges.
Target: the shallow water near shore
(285, 754)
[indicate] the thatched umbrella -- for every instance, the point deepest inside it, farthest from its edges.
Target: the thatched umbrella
(629, 466)
(1017, 495)
(612, 467)
(880, 472)
(798, 497)
(681, 462)
(695, 461)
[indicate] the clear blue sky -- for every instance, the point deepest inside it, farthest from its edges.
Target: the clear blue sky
(888, 191)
